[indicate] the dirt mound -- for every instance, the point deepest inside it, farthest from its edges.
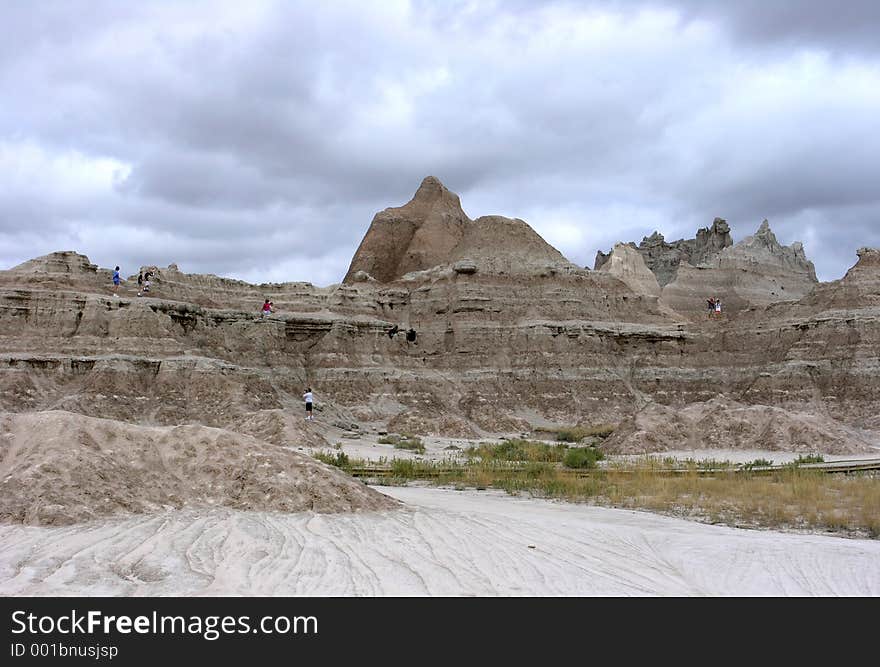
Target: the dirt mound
(60, 468)
(280, 428)
(725, 424)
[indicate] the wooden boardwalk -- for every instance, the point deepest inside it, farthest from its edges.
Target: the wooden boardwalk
(846, 466)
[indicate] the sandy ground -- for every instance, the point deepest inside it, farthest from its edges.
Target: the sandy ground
(442, 543)
(438, 448)
(368, 447)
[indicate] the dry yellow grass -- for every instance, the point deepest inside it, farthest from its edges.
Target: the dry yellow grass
(794, 498)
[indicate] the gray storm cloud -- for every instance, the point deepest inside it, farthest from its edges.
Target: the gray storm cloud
(257, 140)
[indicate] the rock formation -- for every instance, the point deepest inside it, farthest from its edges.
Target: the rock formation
(510, 335)
(626, 264)
(663, 258)
(754, 272)
(432, 231)
(763, 249)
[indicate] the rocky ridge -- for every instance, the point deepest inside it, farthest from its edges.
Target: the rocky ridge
(663, 258)
(510, 336)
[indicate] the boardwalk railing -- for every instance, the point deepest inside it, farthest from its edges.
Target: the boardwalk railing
(426, 471)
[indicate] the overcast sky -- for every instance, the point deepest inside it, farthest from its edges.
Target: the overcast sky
(257, 140)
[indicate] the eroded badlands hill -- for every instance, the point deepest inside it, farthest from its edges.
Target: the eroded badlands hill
(510, 335)
(432, 231)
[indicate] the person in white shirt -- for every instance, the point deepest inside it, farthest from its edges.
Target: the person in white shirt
(307, 397)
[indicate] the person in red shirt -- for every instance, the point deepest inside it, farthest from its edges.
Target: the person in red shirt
(267, 308)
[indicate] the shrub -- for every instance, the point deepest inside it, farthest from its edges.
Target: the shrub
(582, 457)
(517, 450)
(809, 458)
(403, 468)
(757, 463)
(570, 434)
(340, 459)
(410, 442)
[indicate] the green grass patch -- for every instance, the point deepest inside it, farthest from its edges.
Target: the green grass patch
(516, 449)
(409, 442)
(756, 463)
(582, 457)
(809, 458)
(339, 459)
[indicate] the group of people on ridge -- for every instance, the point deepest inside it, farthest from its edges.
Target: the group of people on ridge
(714, 306)
(144, 281)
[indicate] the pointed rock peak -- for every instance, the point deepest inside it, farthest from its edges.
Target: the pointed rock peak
(430, 187)
(714, 238)
(763, 250)
(432, 195)
(432, 191)
(414, 237)
(764, 236)
(720, 226)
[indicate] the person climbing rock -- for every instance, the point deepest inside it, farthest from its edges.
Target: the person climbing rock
(393, 331)
(411, 335)
(267, 309)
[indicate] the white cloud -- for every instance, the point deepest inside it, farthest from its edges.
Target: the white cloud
(199, 132)
(72, 175)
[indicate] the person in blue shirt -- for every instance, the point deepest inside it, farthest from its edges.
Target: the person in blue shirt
(116, 280)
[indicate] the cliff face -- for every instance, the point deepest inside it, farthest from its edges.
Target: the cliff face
(510, 335)
(195, 349)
